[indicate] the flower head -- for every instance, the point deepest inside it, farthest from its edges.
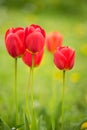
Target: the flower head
(64, 58)
(27, 58)
(34, 38)
(14, 41)
(84, 126)
(53, 40)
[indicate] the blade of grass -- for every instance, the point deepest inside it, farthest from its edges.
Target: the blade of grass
(4, 125)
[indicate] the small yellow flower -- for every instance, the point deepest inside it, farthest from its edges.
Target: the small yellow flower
(84, 126)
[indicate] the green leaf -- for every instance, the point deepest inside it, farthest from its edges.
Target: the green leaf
(4, 125)
(58, 115)
(19, 126)
(79, 124)
(44, 122)
(26, 123)
(34, 124)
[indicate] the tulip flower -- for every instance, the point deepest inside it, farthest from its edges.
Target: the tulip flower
(34, 38)
(53, 40)
(14, 41)
(27, 58)
(34, 42)
(64, 58)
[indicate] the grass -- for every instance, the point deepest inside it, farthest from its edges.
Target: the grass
(48, 80)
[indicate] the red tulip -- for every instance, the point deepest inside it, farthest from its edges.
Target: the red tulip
(53, 40)
(64, 58)
(27, 58)
(14, 40)
(34, 38)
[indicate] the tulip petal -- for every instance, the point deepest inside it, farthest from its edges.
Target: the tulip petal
(20, 34)
(53, 40)
(27, 58)
(65, 52)
(38, 57)
(42, 30)
(14, 45)
(11, 45)
(71, 60)
(35, 42)
(59, 60)
(15, 30)
(8, 32)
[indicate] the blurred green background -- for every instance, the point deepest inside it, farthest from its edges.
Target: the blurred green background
(70, 19)
(73, 6)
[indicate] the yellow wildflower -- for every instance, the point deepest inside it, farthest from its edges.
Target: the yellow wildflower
(84, 126)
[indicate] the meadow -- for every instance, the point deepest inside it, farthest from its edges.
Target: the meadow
(47, 78)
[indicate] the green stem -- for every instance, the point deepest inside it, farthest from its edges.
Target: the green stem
(27, 96)
(33, 126)
(32, 84)
(63, 92)
(53, 101)
(15, 82)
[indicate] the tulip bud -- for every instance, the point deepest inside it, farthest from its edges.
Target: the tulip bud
(34, 38)
(64, 58)
(14, 40)
(53, 40)
(27, 58)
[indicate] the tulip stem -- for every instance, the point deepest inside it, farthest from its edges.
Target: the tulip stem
(27, 96)
(32, 81)
(63, 93)
(15, 83)
(33, 125)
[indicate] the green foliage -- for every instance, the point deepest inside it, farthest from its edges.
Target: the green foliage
(57, 116)
(26, 123)
(3, 125)
(74, 30)
(65, 6)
